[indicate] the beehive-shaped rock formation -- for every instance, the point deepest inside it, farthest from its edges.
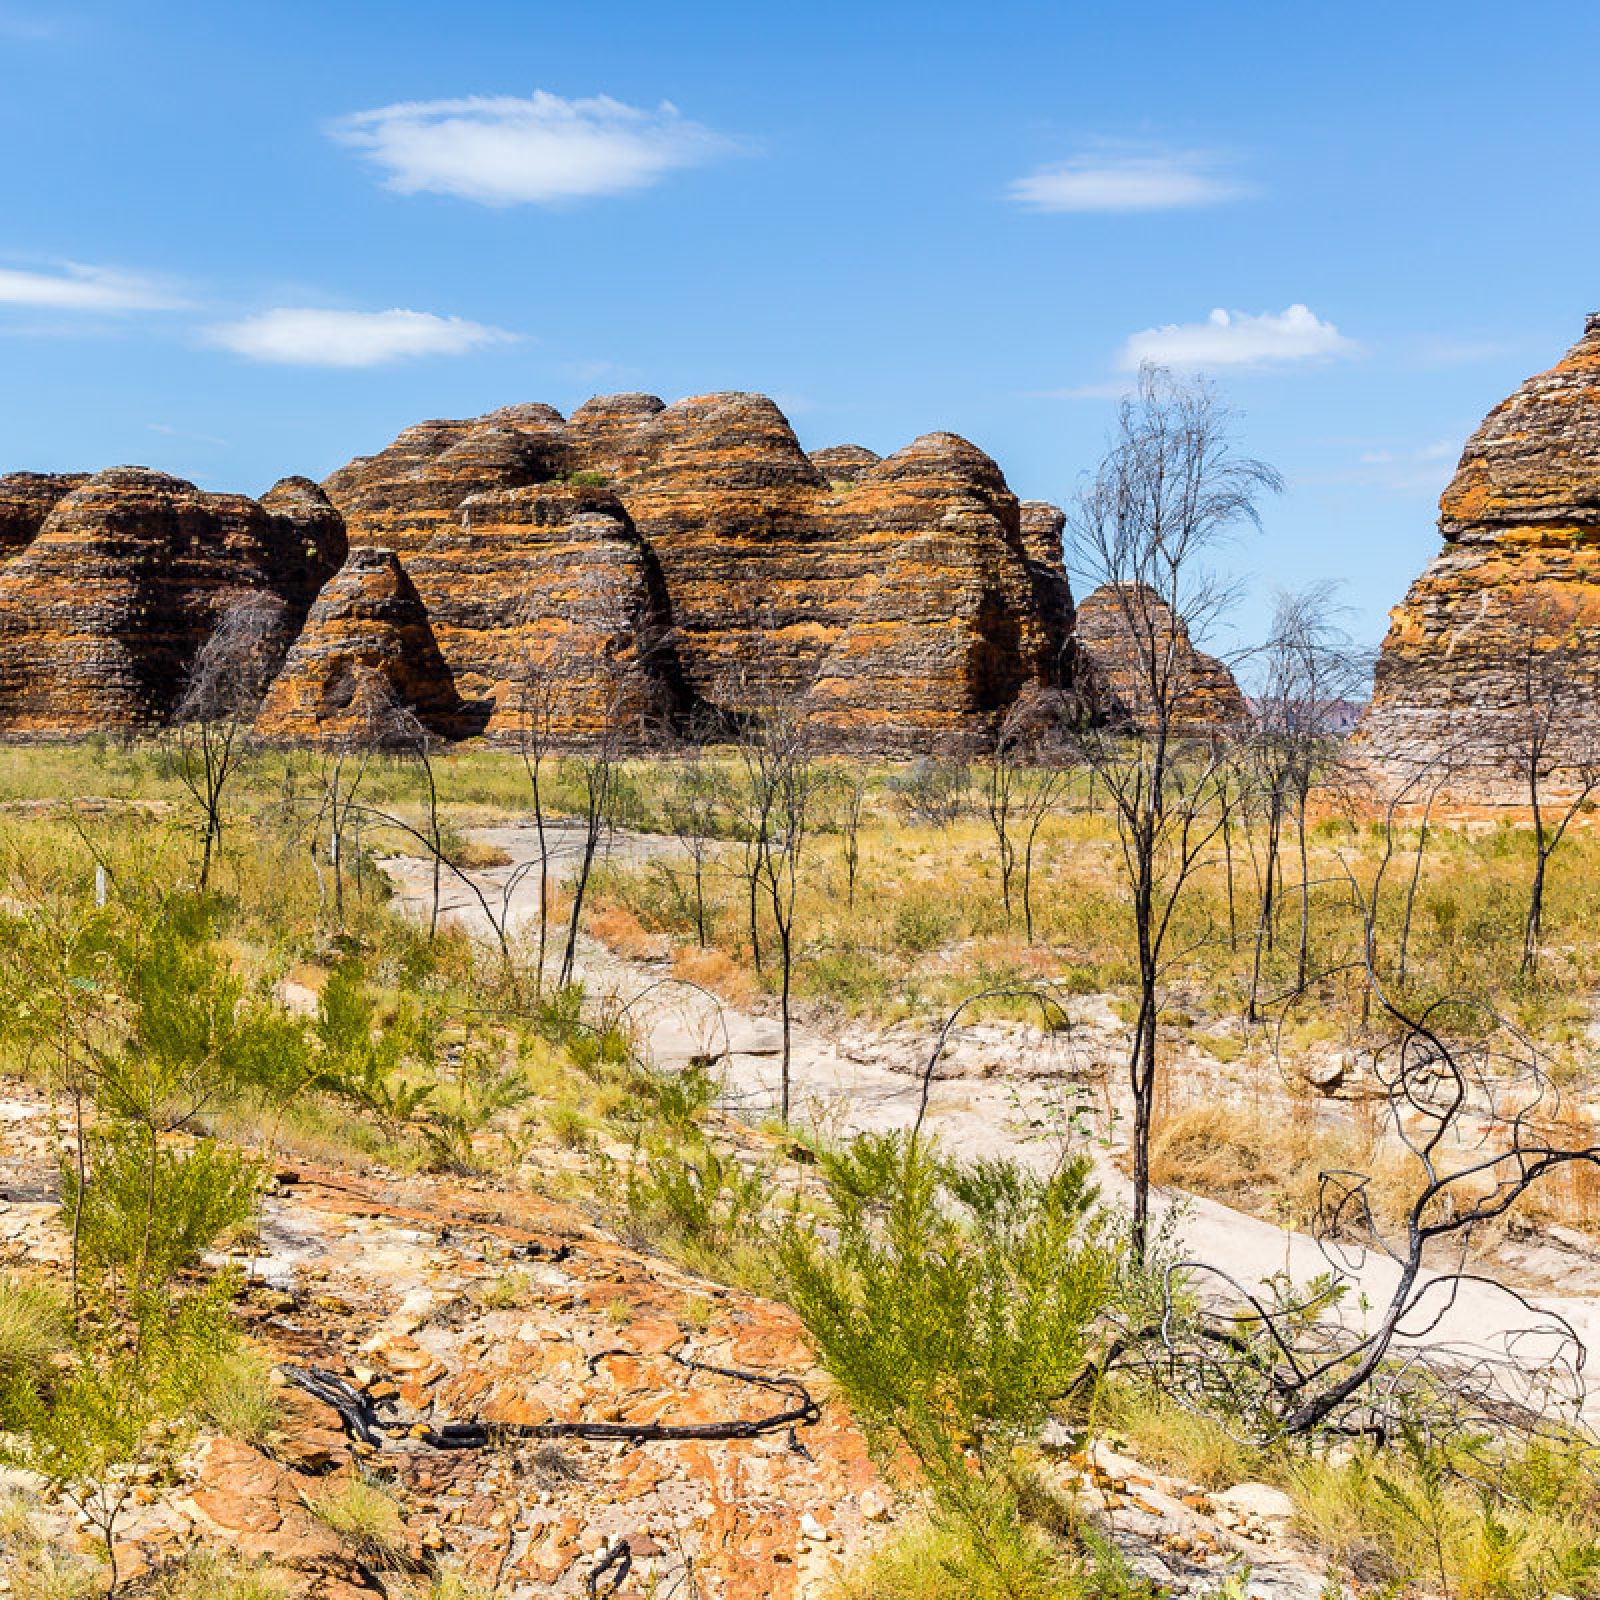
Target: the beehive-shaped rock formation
(366, 668)
(26, 499)
(639, 568)
(713, 566)
(1120, 632)
(104, 609)
(1518, 579)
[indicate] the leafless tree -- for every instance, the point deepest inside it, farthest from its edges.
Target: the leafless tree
(1470, 1104)
(537, 697)
(850, 786)
(213, 718)
(693, 810)
(779, 786)
(1022, 786)
(1170, 488)
(599, 772)
(1549, 743)
(1310, 672)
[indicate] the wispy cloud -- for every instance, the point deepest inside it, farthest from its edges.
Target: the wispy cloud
(504, 150)
(1409, 468)
(305, 336)
(1114, 390)
(1237, 339)
(1436, 351)
(76, 287)
(1109, 180)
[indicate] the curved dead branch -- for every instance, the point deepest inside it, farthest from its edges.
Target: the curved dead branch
(363, 1419)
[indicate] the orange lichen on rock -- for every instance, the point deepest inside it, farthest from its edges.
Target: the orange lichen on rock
(693, 564)
(1517, 579)
(639, 570)
(366, 667)
(104, 609)
(1126, 637)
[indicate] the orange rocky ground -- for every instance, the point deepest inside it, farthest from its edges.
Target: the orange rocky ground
(388, 1282)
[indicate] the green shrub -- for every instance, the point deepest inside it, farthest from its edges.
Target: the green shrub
(149, 1210)
(958, 1301)
(34, 1327)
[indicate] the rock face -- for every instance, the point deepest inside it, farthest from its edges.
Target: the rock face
(638, 570)
(691, 563)
(26, 499)
(1514, 592)
(1203, 691)
(129, 571)
(366, 667)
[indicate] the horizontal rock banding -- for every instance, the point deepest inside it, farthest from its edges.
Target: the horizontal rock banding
(711, 566)
(1512, 597)
(104, 611)
(1135, 658)
(638, 570)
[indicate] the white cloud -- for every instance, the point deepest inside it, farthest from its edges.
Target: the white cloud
(1085, 391)
(75, 287)
(302, 336)
(504, 151)
(1132, 182)
(1237, 339)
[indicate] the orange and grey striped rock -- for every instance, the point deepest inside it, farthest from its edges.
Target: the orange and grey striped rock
(26, 499)
(1519, 571)
(844, 463)
(366, 668)
(1120, 632)
(710, 565)
(102, 613)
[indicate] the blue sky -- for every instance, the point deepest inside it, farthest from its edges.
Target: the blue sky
(242, 241)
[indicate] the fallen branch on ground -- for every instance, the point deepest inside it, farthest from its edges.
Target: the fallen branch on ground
(363, 1422)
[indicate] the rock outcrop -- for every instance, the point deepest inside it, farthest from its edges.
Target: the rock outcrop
(1119, 632)
(638, 569)
(26, 499)
(1512, 599)
(693, 564)
(129, 572)
(366, 668)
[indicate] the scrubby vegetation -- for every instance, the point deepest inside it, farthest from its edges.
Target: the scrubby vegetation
(190, 1039)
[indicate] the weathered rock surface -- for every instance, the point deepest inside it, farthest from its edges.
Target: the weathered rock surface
(712, 566)
(457, 1299)
(642, 568)
(26, 499)
(844, 463)
(102, 612)
(1117, 634)
(366, 667)
(1518, 580)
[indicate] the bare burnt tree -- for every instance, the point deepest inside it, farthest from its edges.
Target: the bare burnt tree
(1549, 743)
(598, 768)
(796, 782)
(537, 699)
(693, 811)
(775, 795)
(1023, 783)
(216, 711)
(1309, 673)
(1168, 491)
(1471, 1106)
(850, 786)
